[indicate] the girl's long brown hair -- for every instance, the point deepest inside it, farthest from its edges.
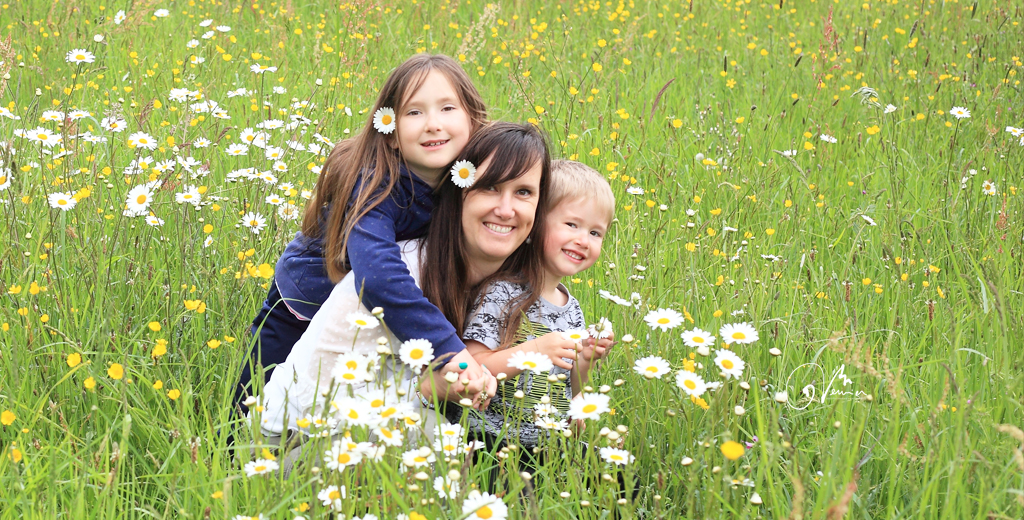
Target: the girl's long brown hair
(374, 155)
(514, 149)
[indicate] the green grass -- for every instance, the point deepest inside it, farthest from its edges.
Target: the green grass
(923, 309)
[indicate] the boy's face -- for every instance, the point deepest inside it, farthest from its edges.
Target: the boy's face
(573, 237)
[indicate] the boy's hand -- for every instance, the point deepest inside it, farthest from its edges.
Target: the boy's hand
(594, 350)
(555, 346)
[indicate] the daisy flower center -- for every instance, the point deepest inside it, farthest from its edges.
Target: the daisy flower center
(334, 495)
(530, 364)
(348, 377)
(616, 457)
(377, 402)
(387, 121)
(351, 365)
(62, 202)
(698, 339)
(589, 408)
(254, 223)
(352, 414)
(141, 199)
(79, 57)
(690, 384)
(41, 136)
(420, 459)
(387, 413)
(739, 335)
(726, 364)
(361, 323)
(484, 512)
(344, 458)
(663, 321)
(416, 353)
(652, 369)
(260, 468)
(464, 173)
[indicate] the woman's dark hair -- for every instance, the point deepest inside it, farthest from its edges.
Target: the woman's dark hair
(373, 154)
(513, 149)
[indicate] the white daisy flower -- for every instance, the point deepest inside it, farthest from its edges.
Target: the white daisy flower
(483, 506)
(355, 412)
(237, 150)
(192, 44)
(256, 68)
(960, 112)
(331, 496)
(828, 138)
(635, 190)
(142, 140)
(119, 17)
(577, 335)
(279, 90)
(741, 333)
(359, 320)
(161, 13)
(690, 383)
(254, 221)
(696, 338)
(260, 467)
(288, 211)
(664, 319)
(223, 28)
(138, 199)
(384, 120)
(75, 115)
(61, 200)
(988, 188)
(602, 329)
(651, 367)
(201, 142)
(890, 108)
(205, 23)
(154, 221)
(80, 56)
(417, 353)
(418, 458)
(208, 241)
(189, 196)
(42, 135)
(589, 406)
(730, 364)
(463, 174)
(389, 436)
(548, 422)
(449, 445)
(532, 361)
(445, 487)
(6, 112)
(274, 200)
(617, 299)
(5, 178)
(788, 153)
(351, 368)
(616, 456)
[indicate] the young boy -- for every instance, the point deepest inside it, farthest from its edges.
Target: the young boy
(581, 206)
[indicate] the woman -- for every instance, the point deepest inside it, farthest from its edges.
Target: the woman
(475, 234)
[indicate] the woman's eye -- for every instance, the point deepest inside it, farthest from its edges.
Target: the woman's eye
(524, 192)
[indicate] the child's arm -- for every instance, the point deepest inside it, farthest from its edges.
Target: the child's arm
(384, 281)
(592, 351)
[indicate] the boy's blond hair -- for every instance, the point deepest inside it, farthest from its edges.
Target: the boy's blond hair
(573, 180)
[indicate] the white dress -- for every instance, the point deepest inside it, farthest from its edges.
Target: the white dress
(301, 385)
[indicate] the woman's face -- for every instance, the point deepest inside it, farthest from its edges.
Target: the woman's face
(497, 220)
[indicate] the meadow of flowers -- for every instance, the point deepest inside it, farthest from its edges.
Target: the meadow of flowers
(814, 274)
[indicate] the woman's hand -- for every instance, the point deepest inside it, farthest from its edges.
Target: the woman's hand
(454, 383)
(555, 346)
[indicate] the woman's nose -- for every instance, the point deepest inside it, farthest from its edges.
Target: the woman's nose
(504, 208)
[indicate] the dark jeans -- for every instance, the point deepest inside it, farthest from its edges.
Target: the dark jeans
(275, 331)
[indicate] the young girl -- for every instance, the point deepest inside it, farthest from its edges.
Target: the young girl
(374, 190)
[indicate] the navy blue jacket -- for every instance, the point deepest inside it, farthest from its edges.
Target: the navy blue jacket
(300, 278)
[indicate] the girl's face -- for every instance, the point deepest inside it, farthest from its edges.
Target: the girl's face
(497, 220)
(573, 238)
(432, 128)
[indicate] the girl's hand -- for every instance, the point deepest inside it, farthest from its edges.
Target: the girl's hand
(556, 347)
(472, 382)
